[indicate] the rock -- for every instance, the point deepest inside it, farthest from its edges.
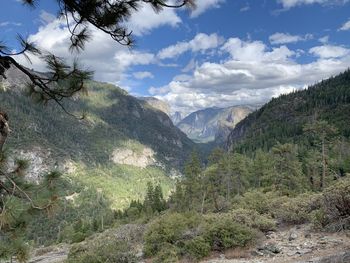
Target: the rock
(342, 257)
(307, 235)
(270, 248)
(304, 251)
(292, 236)
(222, 256)
(256, 253)
(139, 158)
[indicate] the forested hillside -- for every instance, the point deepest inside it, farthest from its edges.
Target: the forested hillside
(283, 118)
(112, 119)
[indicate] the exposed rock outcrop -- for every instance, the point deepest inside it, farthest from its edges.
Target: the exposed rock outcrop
(140, 159)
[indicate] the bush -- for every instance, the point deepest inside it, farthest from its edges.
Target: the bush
(336, 207)
(223, 233)
(113, 252)
(294, 210)
(256, 200)
(168, 254)
(253, 219)
(197, 248)
(168, 229)
(194, 236)
(113, 246)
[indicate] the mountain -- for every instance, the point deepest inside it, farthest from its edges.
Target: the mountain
(212, 123)
(118, 129)
(283, 118)
(157, 104)
(176, 117)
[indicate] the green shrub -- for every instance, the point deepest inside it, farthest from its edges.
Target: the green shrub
(168, 254)
(294, 210)
(197, 248)
(336, 206)
(113, 252)
(256, 200)
(194, 236)
(253, 219)
(223, 233)
(168, 229)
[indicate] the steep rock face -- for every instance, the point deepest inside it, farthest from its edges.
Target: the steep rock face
(283, 118)
(176, 117)
(212, 123)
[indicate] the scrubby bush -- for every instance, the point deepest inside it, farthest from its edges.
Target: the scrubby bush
(222, 233)
(253, 219)
(255, 200)
(335, 211)
(113, 246)
(194, 236)
(112, 251)
(197, 247)
(168, 229)
(294, 210)
(168, 254)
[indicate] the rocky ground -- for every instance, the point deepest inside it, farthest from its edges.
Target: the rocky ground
(293, 245)
(288, 245)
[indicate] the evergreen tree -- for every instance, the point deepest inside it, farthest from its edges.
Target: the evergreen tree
(288, 174)
(321, 133)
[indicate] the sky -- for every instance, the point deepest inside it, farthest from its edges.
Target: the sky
(223, 53)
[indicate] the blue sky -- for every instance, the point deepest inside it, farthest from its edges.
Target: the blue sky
(221, 54)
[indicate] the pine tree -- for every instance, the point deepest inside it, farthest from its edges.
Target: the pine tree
(322, 133)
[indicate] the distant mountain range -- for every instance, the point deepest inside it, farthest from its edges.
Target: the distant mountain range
(213, 124)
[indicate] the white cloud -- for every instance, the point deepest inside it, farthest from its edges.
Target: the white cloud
(293, 3)
(143, 75)
(252, 74)
(8, 23)
(203, 5)
(201, 42)
(255, 51)
(46, 17)
(285, 38)
(324, 40)
(329, 51)
(146, 19)
(345, 26)
(108, 59)
(245, 8)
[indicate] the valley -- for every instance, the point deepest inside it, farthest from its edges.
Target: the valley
(174, 131)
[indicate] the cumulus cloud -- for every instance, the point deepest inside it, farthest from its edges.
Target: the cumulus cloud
(285, 38)
(146, 19)
(200, 43)
(143, 75)
(251, 74)
(329, 51)
(105, 57)
(292, 3)
(345, 26)
(324, 40)
(204, 5)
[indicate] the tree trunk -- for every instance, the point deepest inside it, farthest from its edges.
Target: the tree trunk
(324, 165)
(4, 129)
